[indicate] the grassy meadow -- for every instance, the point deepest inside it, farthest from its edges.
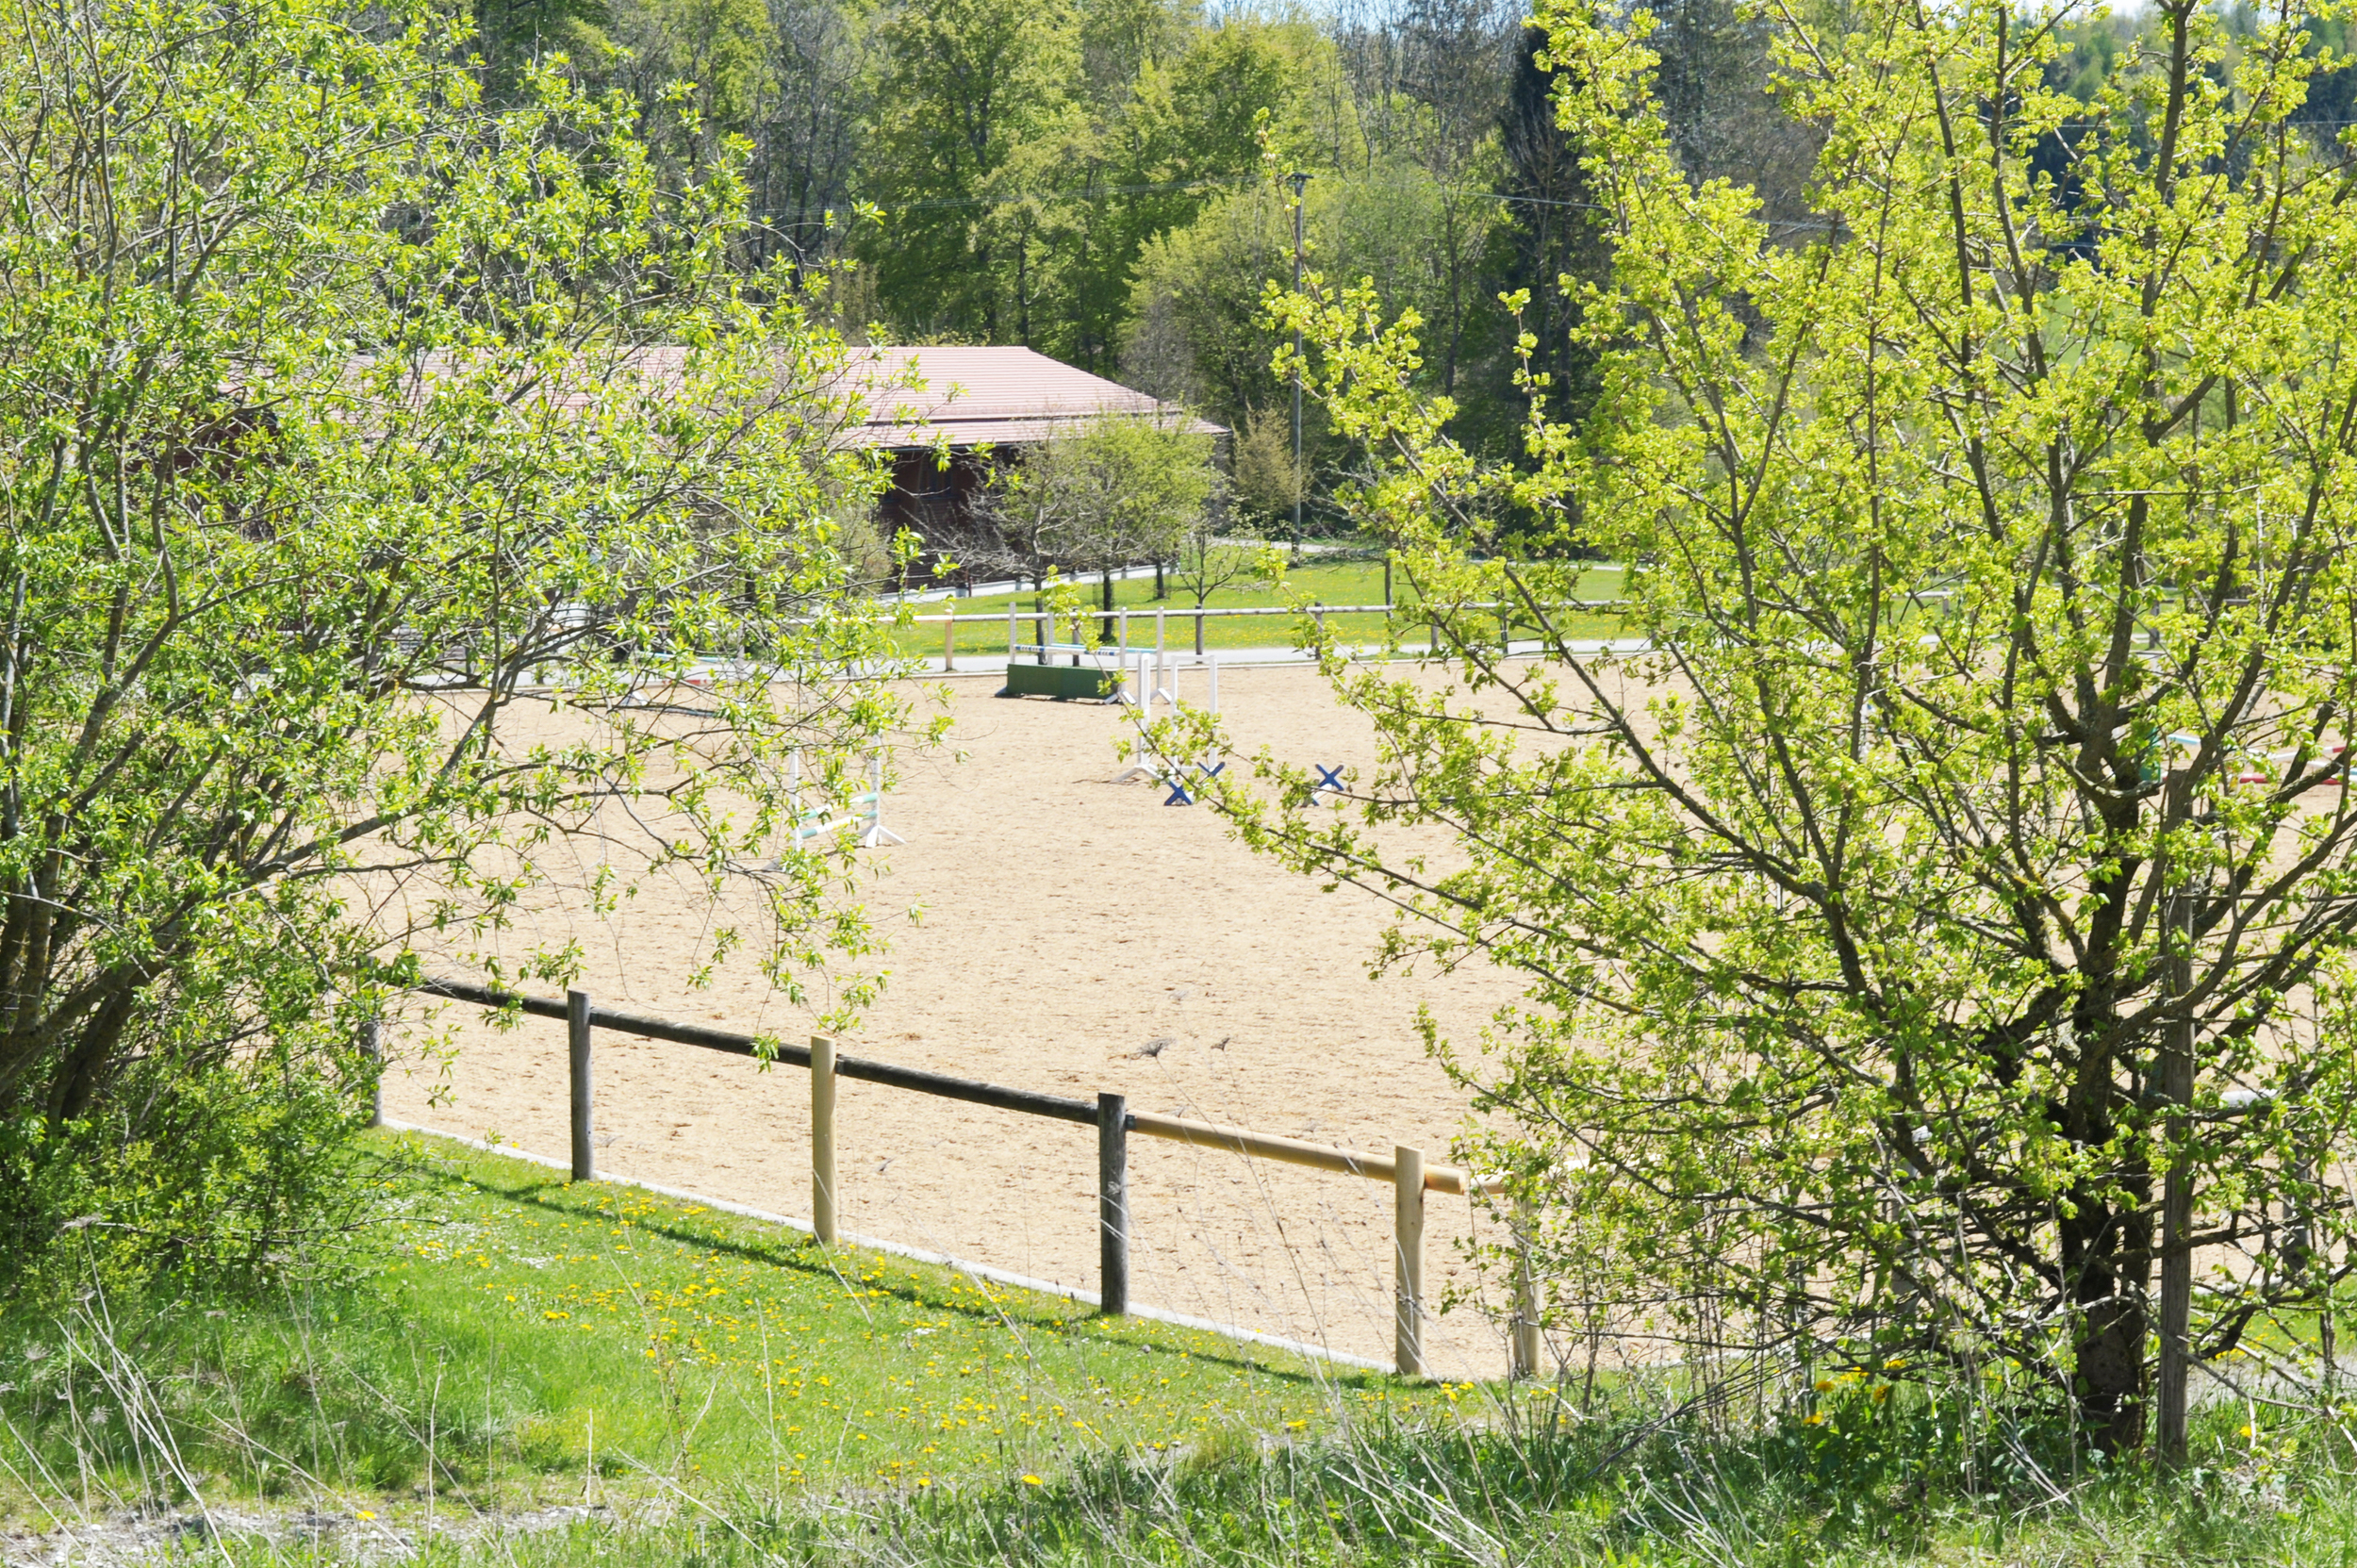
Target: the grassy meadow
(512, 1338)
(515, 1370)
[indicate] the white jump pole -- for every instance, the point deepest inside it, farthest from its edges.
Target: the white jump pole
(1011, 608)
(1214, 659)
(1162, 670)
(877, 833)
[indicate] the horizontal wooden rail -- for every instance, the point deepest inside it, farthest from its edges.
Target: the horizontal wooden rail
(1296, 1151)
(1405, 1171)
(1265, 1146)
(941, 1085)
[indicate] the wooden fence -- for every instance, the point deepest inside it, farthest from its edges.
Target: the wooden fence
(1409, 1177)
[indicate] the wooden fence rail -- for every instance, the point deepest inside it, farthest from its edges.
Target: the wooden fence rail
(1405, 1170)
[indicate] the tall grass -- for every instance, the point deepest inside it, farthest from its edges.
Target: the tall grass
(1566, 1495)
(542, 1375)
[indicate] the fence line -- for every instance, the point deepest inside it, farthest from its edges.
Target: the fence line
(920, 1255)
(1186, 612)
(1405, 1171)
(1114, 632)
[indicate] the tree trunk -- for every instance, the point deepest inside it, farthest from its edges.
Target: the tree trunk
(2112, 1294)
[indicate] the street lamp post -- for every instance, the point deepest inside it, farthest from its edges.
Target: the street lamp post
(1298, 181)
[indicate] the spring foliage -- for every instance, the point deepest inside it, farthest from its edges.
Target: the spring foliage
(1962, 865)
(353, 519)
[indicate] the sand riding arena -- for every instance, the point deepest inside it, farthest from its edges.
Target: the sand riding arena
(1078, 935)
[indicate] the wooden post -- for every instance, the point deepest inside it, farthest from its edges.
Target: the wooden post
(1407, 1245)
(1198, 631)
(1432, 624)
(577, 1042)
(2176, 1088)
(822, 1138)
(1387, 579)
(949, 642)
(373, 1052)
(1112, 1204)
(1524, 1361)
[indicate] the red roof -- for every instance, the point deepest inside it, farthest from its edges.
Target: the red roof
(966, 396)
(896, 397)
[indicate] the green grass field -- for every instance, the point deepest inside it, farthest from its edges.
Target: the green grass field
(1334, 582)
(527, 1372)
(518, 1338)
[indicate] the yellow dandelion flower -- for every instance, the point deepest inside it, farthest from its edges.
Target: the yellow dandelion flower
(1034, 1480)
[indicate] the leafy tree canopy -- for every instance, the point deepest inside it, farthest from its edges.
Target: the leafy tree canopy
(369, 466)
(1940, 927)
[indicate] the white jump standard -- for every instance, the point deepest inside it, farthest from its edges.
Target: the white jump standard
(865, 816)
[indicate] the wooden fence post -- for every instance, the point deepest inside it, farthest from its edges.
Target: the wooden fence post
(1408, 1242)
(950, 641)
(1525, 1347)
(822, 1138)
(1112, 1204)
(577, 1041)
(373, 1052)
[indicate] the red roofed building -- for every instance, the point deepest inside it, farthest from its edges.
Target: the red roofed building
(947, 415)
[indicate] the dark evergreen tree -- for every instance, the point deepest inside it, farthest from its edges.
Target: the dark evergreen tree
(1551, 242)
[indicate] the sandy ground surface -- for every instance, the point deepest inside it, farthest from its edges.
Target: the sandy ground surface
(1078, 935)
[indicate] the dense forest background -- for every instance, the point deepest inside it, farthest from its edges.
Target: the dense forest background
(1088, 177)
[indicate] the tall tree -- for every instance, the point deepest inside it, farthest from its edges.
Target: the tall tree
(1553, 240)
(1939, 929)
(967, 83)
(699, 69)
(312, 524)
(812, 128)
(1714, 92)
